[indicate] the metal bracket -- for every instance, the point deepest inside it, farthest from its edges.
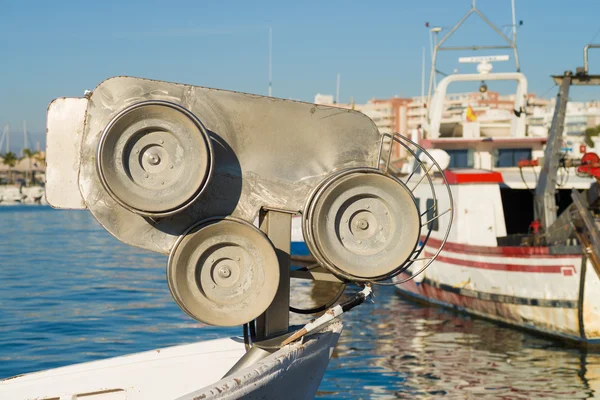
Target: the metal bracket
(277, 225)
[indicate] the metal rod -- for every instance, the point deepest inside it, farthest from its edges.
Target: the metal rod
(337, 90)
(270, 61)
(585, 55)
(421, 259)
(439, 215)
(412, 173)
(421, 180)
(476, 47)
(430, 209)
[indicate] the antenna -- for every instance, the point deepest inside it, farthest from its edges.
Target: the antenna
(337, 90)
(7, 128)
(423, 83)
(270, 61)
(514, 22)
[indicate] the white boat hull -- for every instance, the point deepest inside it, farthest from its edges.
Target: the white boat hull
(186, 372)
(553, 294)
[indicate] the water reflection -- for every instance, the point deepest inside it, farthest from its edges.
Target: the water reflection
(71, 293)
(424, 352)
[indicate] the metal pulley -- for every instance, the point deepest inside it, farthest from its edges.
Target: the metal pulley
(223, 272)
(154, 158)
(361, 224)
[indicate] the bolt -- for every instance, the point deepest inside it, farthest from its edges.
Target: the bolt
(362, 224)
(239, 258)
(367, 206)
(161, 141)
(224, 272)
(360, 242)
(146, 175)
(162, 183)
(171, 166)
(346, 220)
(137, 151)
(153, 159)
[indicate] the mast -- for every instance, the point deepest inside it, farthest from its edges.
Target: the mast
(422, 82)
(270, 61)
(437, 46)
(337, 90)
(25, 135)
(545, 191)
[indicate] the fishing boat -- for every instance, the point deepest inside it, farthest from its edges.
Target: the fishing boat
(520, 256)
(524, 242)
(212, 178)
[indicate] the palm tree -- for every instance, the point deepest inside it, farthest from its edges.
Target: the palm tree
(10, 159)
(29, 155)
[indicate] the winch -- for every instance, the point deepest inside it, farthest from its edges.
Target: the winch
(212, 178)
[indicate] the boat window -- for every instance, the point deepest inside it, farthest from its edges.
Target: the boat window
(432, 213)
(511, 157)
(460, 158)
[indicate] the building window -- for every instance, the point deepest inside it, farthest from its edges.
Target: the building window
(460, 158)
(511, 157)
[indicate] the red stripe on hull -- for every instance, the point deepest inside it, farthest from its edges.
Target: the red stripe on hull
(544, 269)
(489, 308)
(506, 251)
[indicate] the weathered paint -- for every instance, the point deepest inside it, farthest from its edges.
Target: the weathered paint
(178, 372)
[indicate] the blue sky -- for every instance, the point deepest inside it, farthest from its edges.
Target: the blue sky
(60, 48)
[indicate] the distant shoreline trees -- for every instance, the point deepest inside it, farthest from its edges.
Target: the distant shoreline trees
(589, 133)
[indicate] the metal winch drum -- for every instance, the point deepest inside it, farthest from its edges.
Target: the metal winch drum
(362, 224)
(185, 171)
(223, 272)
(154, 158)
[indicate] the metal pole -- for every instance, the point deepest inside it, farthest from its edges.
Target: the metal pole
(270, 61)
(585, 55)
(422, 83)
(432, 71)
(25, 135)
(514, 21)
(545, 191)
(337, 90)
(276, 319)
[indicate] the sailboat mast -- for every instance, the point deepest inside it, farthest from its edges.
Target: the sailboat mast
(270, 61)
(337, 90)
(25, 135)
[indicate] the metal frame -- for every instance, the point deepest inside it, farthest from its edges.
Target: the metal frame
(545, 191)
(511, 44)
(585, 56)
(426, 172)
(436, 103)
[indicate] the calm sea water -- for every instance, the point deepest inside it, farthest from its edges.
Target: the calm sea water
(70, 292)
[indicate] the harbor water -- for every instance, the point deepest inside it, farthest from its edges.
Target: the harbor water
(70, 292)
